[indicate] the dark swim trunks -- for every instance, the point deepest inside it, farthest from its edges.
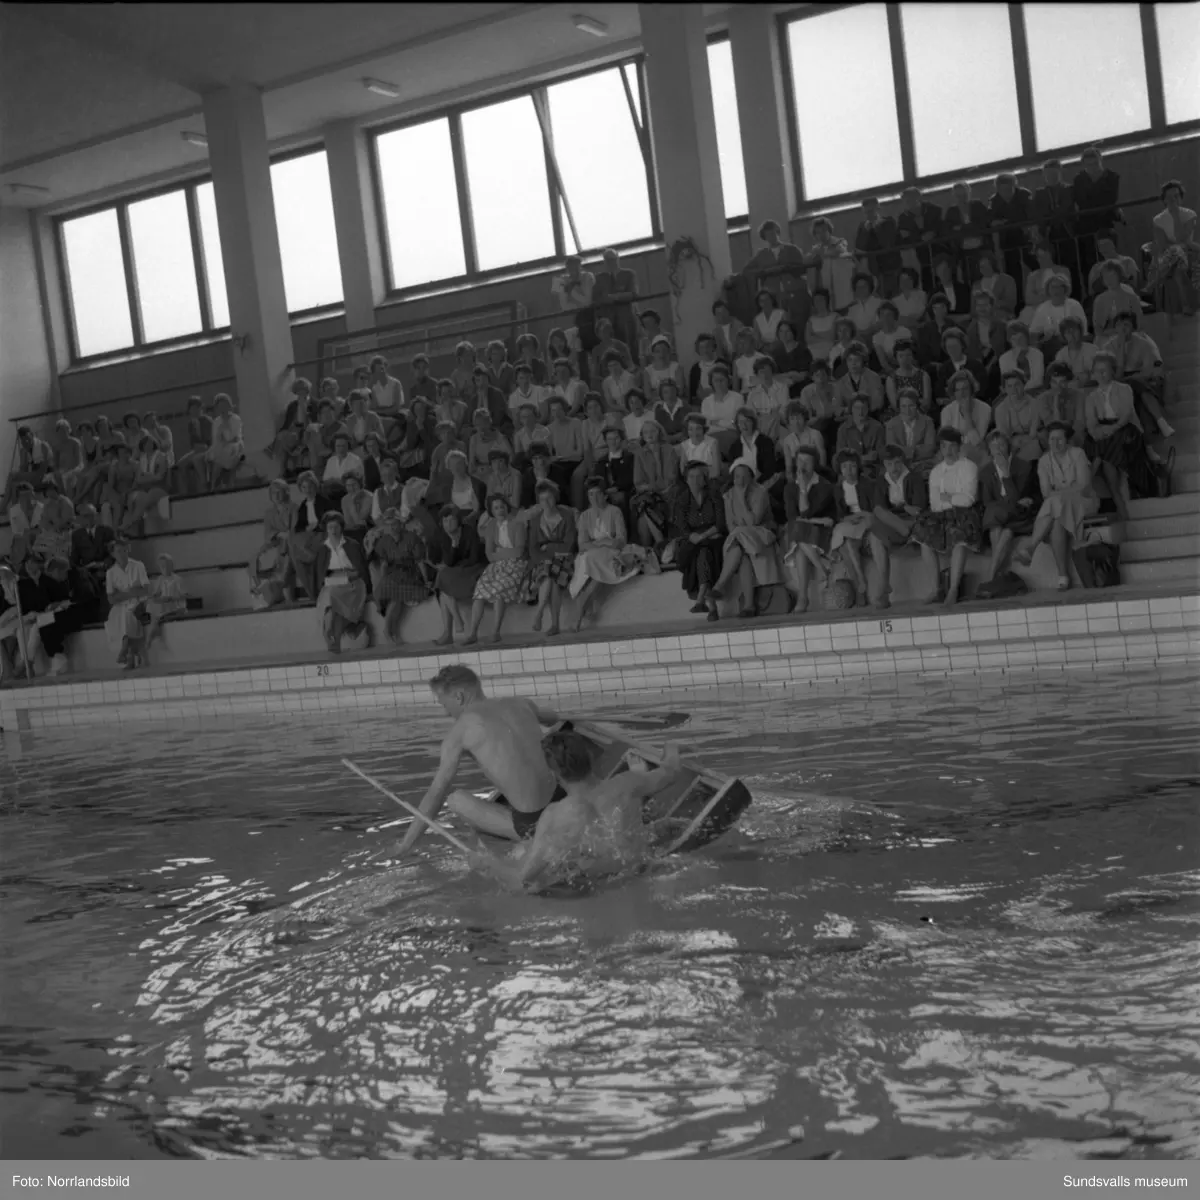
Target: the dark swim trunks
(525, 823)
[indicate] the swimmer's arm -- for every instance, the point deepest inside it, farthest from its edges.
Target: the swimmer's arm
(435, 797)
(654, 781)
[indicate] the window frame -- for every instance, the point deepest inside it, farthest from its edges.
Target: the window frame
(1031, 154)
(454, 115)
(209, 330)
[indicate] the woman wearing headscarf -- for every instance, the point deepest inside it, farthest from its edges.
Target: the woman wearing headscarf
(750, 551)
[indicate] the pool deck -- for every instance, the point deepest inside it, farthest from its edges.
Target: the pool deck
(1104, 629)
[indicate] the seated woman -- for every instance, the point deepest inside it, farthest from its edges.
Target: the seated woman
(320, 435)
(726, 330)
(699, 447)
(593, 426)
(650, 322)
(503, 580)
(127, 588)
(529, 432)
(697, 525)
(757, 450)
(271, 563)
(671, 411)
(1007, 492)
(819, 334)
(87, 485)
(499, 371)
(750, 551)
(1065, 482)
(1117, 297)
(859, 380)
(1076, 354)
(792, 359)
(566, 443)
(1140, 365)
(1061, 402)
(862, 436)
(1057, 307)
(489, 398)
(150, 484)
(1036, 281)
(356, 508)
(604, 553)
(655, 475)
(372, 460)
(819, 402)
(985, 342)
(616, 466)
(910, 300)
(663, 366)
(854, 502)
(768, 397)
(466, 358)
(953, 524)
(342, 576)
(901, 496)
(227, 450)
(307, 533)
(502, 479)
(907, 376)
(448, 407)
(808, 502)
(1115, 442)
(947, 284)
(890, 331)
(799, 433)
(955, 361)
(605, 342)
(720, 409)
(52, 533)
(932, 331)
(913, 433)
(706, 354)
(635, 419)
(289, 450)
(340, 464)
(396, 550)
(1021, 356)
(864, 311)
(458, 555)
(743, 363)
(969, 415)
(484, 440)
(1002, 288)
(551, 553)
(766, 320)
(529, 355)
(618, 382)
(845, 336)
(360, 420)
(122, 481)
(1176, 251)
(412, 438)
(1016, 416)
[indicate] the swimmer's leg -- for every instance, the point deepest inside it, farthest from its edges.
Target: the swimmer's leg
(493, 819)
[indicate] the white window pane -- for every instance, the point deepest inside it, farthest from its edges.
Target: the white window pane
(99, 296)
(312, 272)
(163, 266)
(1179, 49)
(964, 106)
(506, 172)
(420, 203)
(845, 100)
(729, 133)
(599, 159)
(214, 265)
(1087, 72)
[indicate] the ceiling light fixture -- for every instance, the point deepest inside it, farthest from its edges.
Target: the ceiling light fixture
(194, 139)
(381, 88)
(28, 187)
(590, 25)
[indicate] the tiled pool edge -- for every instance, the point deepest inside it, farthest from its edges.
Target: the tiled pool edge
(1084, 636)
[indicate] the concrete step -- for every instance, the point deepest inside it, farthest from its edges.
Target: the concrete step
(1173, 506)
(1185, 481)
(202, 548)
(1170, 570)
(1185, 525)
(1157, 549)
(222, 590)
(205, 512)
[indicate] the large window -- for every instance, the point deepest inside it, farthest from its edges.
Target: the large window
(214, 264)
(1087, 72)
(420, 204)
(844, 94)
(96, 276)
(1179, 48)
(962, 85)
(506, 174)
(312, 271)
(599, 158)
(729, 132)
(164, 267)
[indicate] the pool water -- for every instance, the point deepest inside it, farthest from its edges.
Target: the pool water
(961, 918)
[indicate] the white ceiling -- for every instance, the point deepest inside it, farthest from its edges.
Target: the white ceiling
(93, 97)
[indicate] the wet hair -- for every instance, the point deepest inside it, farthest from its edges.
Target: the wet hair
(569, 755)
(456, 676)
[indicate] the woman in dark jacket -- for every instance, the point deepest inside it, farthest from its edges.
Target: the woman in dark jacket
(458, 555)
(698, 527)
(307, 533)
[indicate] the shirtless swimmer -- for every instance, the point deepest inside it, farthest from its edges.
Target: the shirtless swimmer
(505, 739)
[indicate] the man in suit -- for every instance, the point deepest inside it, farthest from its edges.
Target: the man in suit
(1009, 206)
(779, 267)
(91, 545)
(875, 242)
(912, 432)
(75, 601)
(1095, 189)
(1054, 207)
(1008, 491)
(918, 228)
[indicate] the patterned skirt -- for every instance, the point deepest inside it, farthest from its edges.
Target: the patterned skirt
(558, 568)
(503, 580)
(402, 582)
(942, 531)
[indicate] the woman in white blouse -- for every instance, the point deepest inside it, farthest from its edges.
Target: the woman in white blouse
(1115, 441)
(864, 312)
(1053, 311)
(1177, 254)
(910, 300)
(720, 407)
(968, 415)
(954, 524)
(766, 320)
(1021, 356)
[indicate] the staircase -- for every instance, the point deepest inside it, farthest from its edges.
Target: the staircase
(1161, 544)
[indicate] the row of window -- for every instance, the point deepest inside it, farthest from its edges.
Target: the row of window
(566, 167)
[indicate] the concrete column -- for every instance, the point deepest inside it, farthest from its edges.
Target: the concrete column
(762, 115)
(357, 223)
(258, 316)
(683, 135)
